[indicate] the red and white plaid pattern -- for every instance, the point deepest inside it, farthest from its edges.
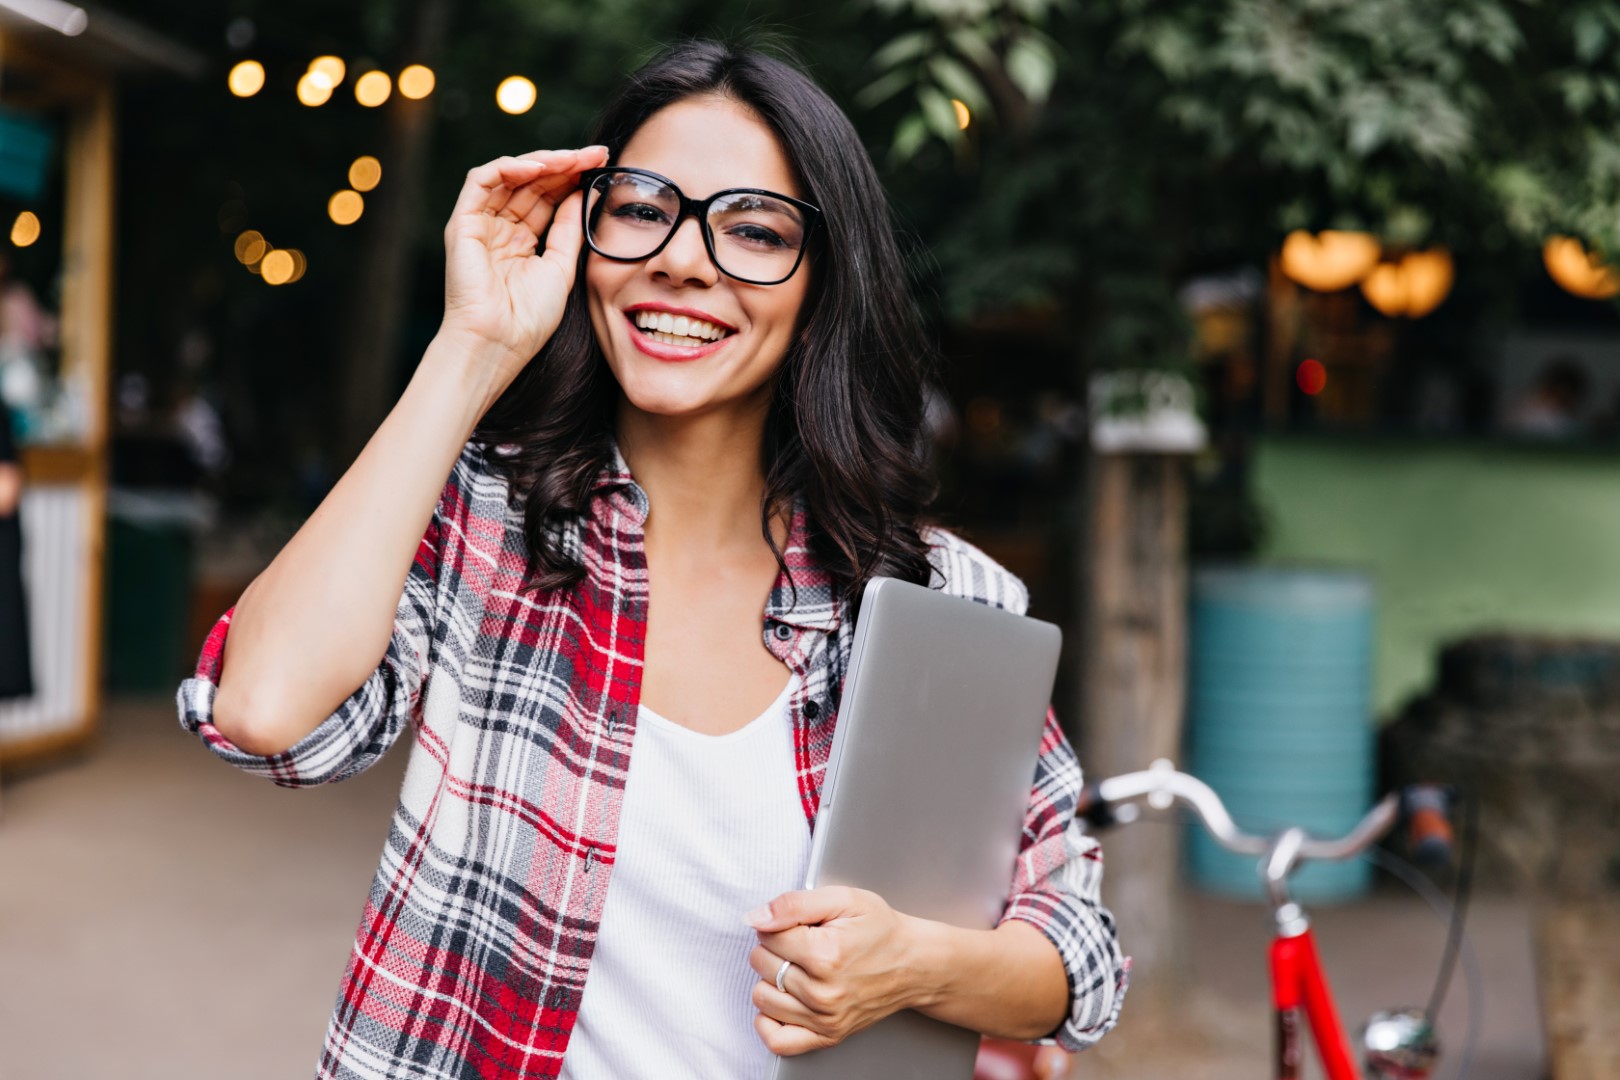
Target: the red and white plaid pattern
(476, 941)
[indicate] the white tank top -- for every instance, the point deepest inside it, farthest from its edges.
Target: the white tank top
(711, 828)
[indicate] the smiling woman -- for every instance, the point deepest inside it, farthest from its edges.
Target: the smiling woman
(678, 391)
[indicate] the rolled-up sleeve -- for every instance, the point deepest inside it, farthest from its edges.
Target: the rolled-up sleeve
(362, 729)
(1056, 887)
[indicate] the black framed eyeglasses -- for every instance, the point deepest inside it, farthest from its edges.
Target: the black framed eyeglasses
(755, 236)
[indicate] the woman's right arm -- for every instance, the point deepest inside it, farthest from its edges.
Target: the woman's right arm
(315, 624)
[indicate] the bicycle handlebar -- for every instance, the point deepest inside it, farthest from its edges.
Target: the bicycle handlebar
(1163, 787)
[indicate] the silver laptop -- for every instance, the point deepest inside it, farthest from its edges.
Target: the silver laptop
(923, 803)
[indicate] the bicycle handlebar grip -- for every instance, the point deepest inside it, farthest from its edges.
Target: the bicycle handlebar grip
(1095, 810)
(1427, 808)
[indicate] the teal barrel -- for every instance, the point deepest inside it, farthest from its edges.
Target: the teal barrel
(1280, 715)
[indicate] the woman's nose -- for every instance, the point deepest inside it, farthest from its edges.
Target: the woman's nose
(685, 258)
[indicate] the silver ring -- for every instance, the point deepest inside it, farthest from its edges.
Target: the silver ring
(781, 973)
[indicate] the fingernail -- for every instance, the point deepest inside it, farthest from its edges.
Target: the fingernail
(758, 917)
(597, 147)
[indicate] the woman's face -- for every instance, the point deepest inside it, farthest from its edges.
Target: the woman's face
(704, 145)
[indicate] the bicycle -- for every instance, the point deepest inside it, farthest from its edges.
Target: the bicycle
(1396, 1044)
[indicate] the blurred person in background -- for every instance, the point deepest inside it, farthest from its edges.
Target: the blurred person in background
(16, 665)
(677, 451)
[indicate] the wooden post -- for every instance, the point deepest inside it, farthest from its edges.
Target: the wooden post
(1134, 697)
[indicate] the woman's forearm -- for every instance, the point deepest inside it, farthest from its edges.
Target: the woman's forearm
(1007, 983)
(317, 621)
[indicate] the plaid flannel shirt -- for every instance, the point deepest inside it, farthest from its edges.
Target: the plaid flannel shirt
(476, 940)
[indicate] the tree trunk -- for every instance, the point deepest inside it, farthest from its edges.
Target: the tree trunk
(382, 288)
(1134, 696)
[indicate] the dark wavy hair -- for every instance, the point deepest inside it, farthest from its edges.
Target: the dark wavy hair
(846, 413)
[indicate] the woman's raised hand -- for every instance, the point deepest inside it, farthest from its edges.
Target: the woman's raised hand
(498, 292)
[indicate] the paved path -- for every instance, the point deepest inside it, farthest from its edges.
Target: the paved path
(163, 916)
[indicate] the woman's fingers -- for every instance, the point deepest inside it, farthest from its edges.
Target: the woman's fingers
(491, 187)
(532, 203)
(787, 1040)
(488, 186)
(785, 1008)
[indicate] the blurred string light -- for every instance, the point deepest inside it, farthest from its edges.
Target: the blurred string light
(277, 267)
(373, 88)
(1411, 286)
(64, 18)
(26, 229)
(247, 78)
(300, 264)
(1311, 377)
(963, 117)
(330, 66)
(1578, 270)
(315, 88)
(251, 247)
(365, 173)
(345, 207)
(1329, 261)
(416, 82)
(515, 95)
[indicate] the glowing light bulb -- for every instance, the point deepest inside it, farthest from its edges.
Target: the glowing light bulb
(25, 230)
(250, 247)
(345, 207)
(365, 173)
(246, 78)
(373, 88)
(515, 95)
(417, 81)
(963, 117)
(331, 67)
(277, 267)
(1329, 261)
(315, 88)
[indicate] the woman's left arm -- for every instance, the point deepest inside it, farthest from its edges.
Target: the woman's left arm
(856, 961)
(1051, 970)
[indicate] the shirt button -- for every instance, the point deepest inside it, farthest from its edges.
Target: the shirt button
(783, 632)
(811, 710)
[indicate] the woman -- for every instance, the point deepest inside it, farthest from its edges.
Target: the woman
(654, 430)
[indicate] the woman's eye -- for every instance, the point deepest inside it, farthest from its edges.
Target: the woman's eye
(757, 234)
(639, 212)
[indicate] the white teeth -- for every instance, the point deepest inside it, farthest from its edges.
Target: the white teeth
(671, 339)
(678, 326)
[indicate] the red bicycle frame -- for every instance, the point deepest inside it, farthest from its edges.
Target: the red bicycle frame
(1298, 982)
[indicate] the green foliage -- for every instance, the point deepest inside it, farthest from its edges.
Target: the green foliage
(1131, 142)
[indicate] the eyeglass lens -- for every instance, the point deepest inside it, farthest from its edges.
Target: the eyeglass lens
(756, 237)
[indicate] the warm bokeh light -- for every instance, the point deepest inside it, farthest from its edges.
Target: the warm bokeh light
(1578, 270)
(515, 94)
(315, 88)
(1411, 286)
(1311, 377)
(247, 78)
(963, 117)
(250, 247)
(417, 82)
(373, 88)
(300, 264)
(1329, 261)
(277, 267)
(365, 173)
(25, 230)
(331, 67)
(345, 207)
